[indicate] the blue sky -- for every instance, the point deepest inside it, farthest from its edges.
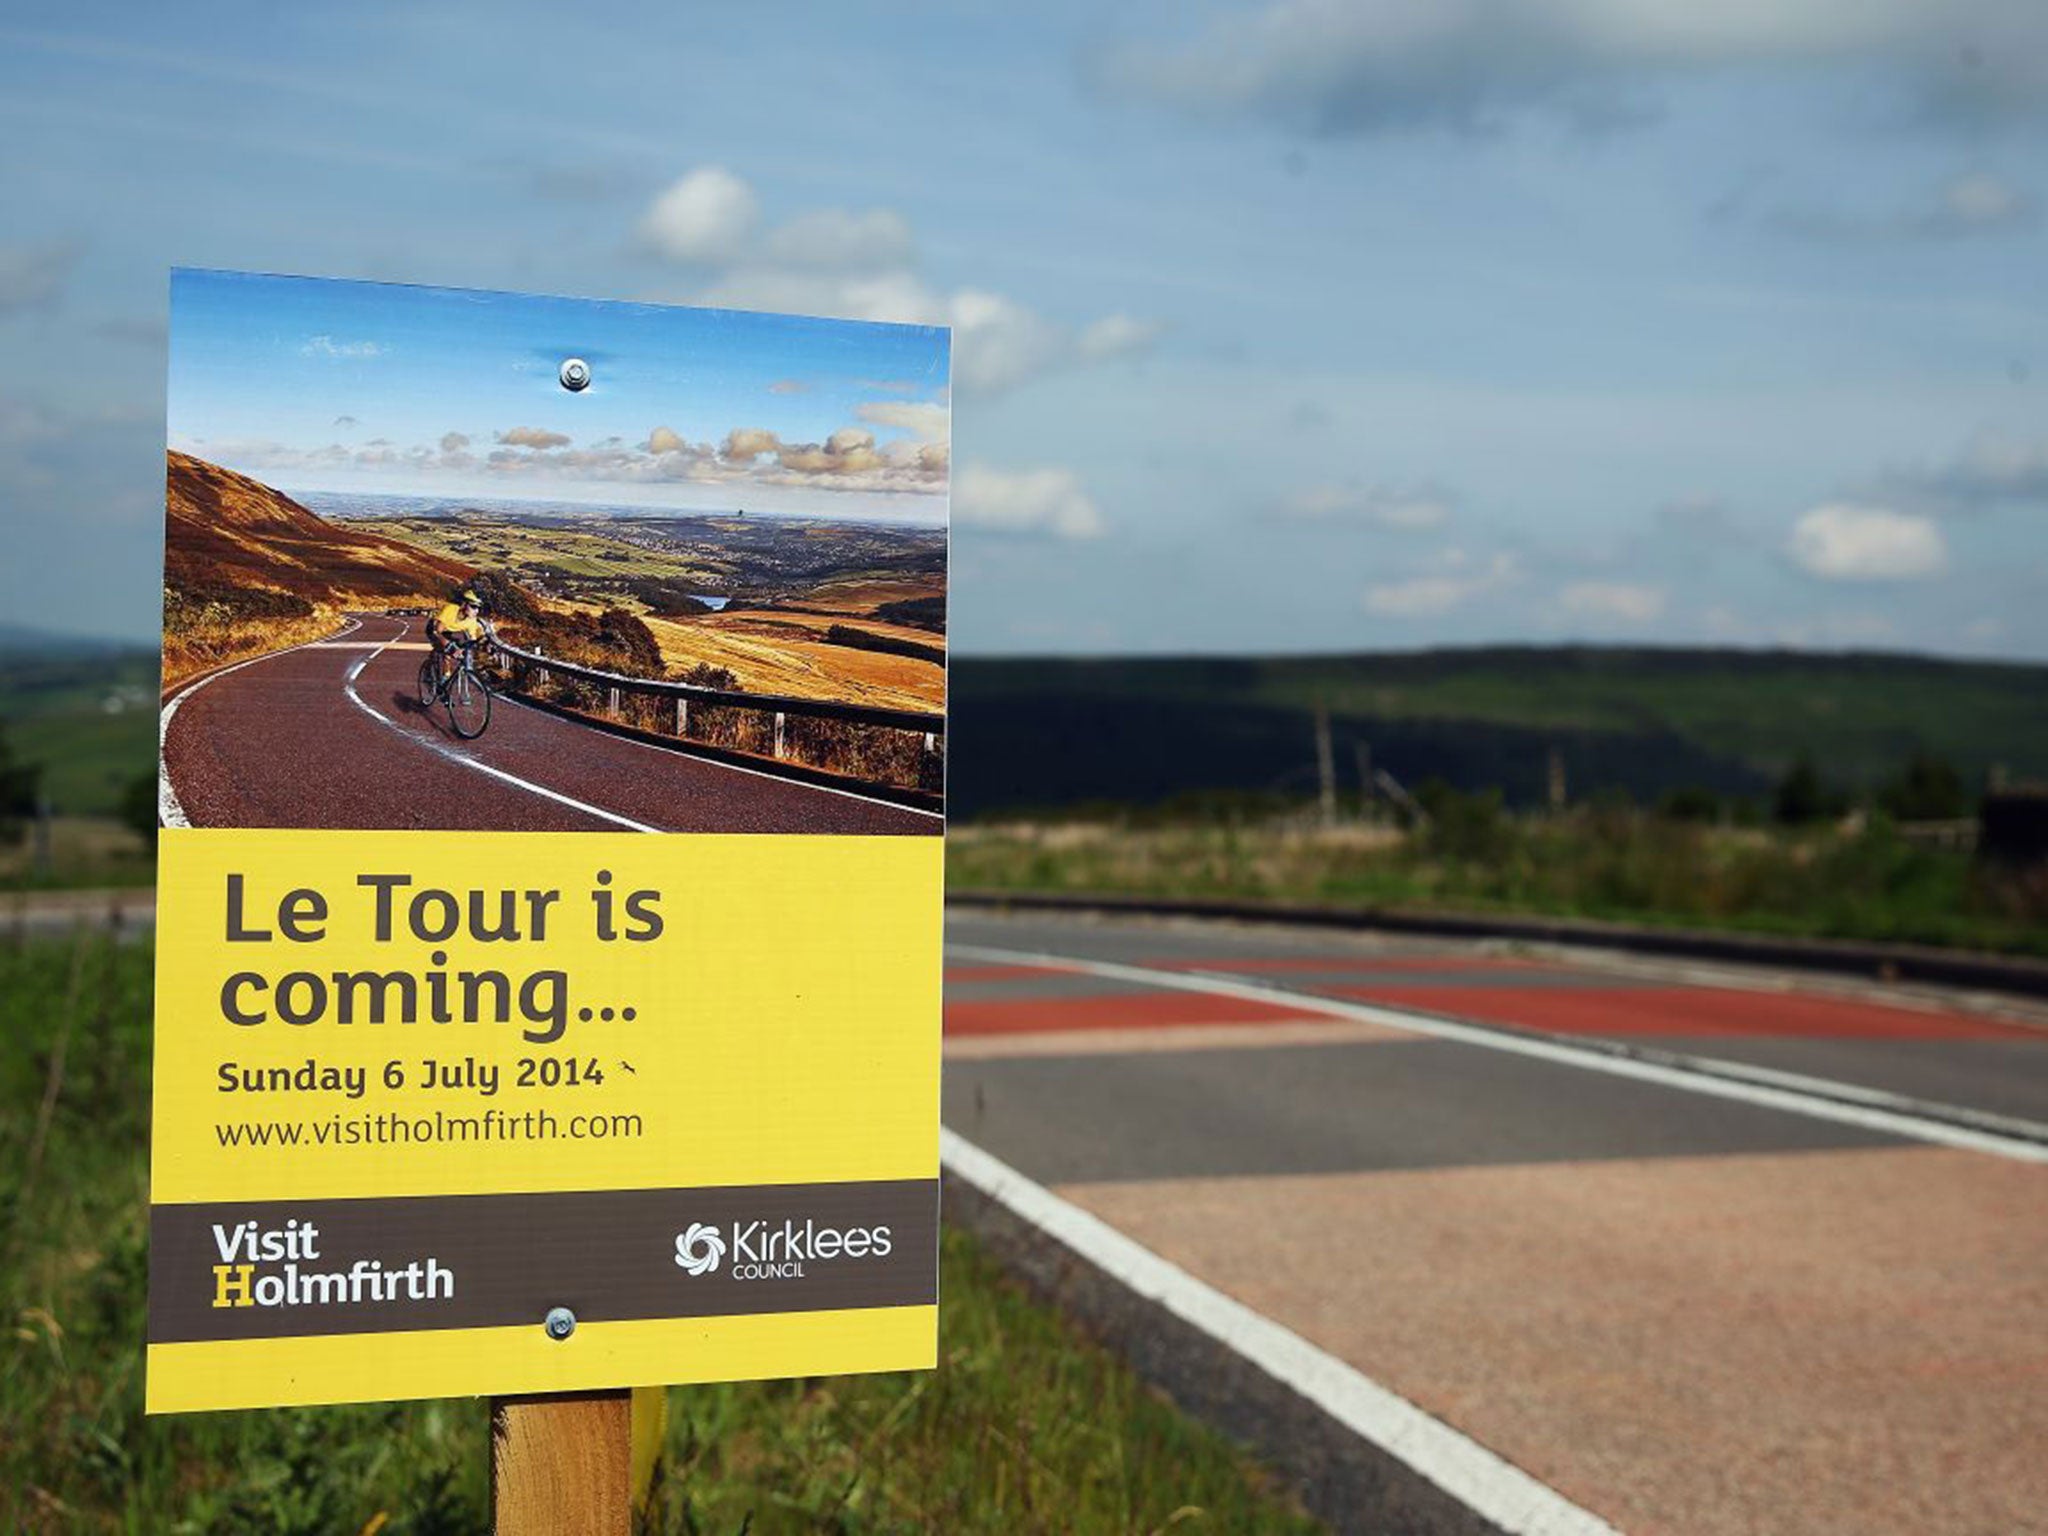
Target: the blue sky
(324, 385)
(1285, 325)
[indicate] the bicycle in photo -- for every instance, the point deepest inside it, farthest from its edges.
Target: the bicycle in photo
(460, 689)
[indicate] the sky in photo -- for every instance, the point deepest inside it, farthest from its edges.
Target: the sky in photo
(1278, 325)
(319, 385)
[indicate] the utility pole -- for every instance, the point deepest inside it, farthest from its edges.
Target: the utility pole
(1363, 749)
(1326, 766)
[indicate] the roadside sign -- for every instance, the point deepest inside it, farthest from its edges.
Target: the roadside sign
(549, 913)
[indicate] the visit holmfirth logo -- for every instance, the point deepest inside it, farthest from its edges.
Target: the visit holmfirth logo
(274, 1267)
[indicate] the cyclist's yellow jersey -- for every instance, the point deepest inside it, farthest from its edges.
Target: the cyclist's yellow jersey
(452, 622)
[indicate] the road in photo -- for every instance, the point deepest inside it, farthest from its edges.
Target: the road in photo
(1686, 1300)
(333, 734)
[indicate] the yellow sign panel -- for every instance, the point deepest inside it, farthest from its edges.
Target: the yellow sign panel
(410, 1039)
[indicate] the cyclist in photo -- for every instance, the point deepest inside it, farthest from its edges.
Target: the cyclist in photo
(461, 621)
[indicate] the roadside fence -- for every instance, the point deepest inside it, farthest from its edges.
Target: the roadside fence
(901, 748)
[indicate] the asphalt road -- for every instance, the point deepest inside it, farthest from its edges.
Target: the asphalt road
(333, 735)
(1773, 1282)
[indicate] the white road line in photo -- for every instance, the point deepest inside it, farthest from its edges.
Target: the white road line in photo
(1897, 1118)
(1493, 1488)
(349, 687)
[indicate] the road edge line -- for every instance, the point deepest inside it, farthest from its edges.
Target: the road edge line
(1498, 1492)
(170, 810)
(1868, 1117)
(348, 686)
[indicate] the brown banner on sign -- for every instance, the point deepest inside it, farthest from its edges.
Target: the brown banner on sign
(291, 1268)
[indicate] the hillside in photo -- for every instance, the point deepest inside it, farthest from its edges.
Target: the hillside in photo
(808, 607)
(247, 568)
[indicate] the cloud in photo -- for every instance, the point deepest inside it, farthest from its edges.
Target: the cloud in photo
(348, 351)
(534, 437)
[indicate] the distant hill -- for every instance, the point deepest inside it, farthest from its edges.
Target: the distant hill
(225, 531)
(247, 569)
(21, 643)
(1049, 732)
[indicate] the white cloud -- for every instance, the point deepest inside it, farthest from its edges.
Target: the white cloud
(1035, 501)
(1341, 66)
(1844, 542)
(842, 239)
(33, 276)
(327, 346)
(1625, 602)
(1980, 200)
(706, 216)
(1118, 335)
(858, 266)
(1992, 468)
(1973, 204)
(1411, 509)
(1428, 595)
(665, 440)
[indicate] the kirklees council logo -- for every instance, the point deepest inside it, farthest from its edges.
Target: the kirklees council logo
(699, 1249)
(763, 1250)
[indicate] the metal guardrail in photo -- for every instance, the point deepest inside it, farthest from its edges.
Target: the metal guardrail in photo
(535, 669)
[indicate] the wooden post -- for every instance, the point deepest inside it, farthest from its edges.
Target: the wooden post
(561, 1464)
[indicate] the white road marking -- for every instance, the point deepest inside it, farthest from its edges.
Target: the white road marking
(1894, 1117)
(1493, 1488)
(439, 750)
(169, 809)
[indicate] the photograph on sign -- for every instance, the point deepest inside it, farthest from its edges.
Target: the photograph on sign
(552, 774)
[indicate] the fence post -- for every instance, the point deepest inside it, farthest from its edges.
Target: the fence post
(615, 698)
(682, 715)
(562, 1462)
(778, 733)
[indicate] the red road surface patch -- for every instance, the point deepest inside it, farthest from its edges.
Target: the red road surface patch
(961, 974)
(1128, 1010)
(1699, 1011)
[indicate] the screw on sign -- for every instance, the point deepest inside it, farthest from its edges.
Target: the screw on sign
(575, 375)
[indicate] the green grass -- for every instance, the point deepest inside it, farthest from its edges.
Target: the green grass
(54, 711)
(1615, 865)
(1025, 1427)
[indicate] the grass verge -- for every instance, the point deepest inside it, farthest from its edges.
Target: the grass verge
(1025, 1426)
(1622, 867)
